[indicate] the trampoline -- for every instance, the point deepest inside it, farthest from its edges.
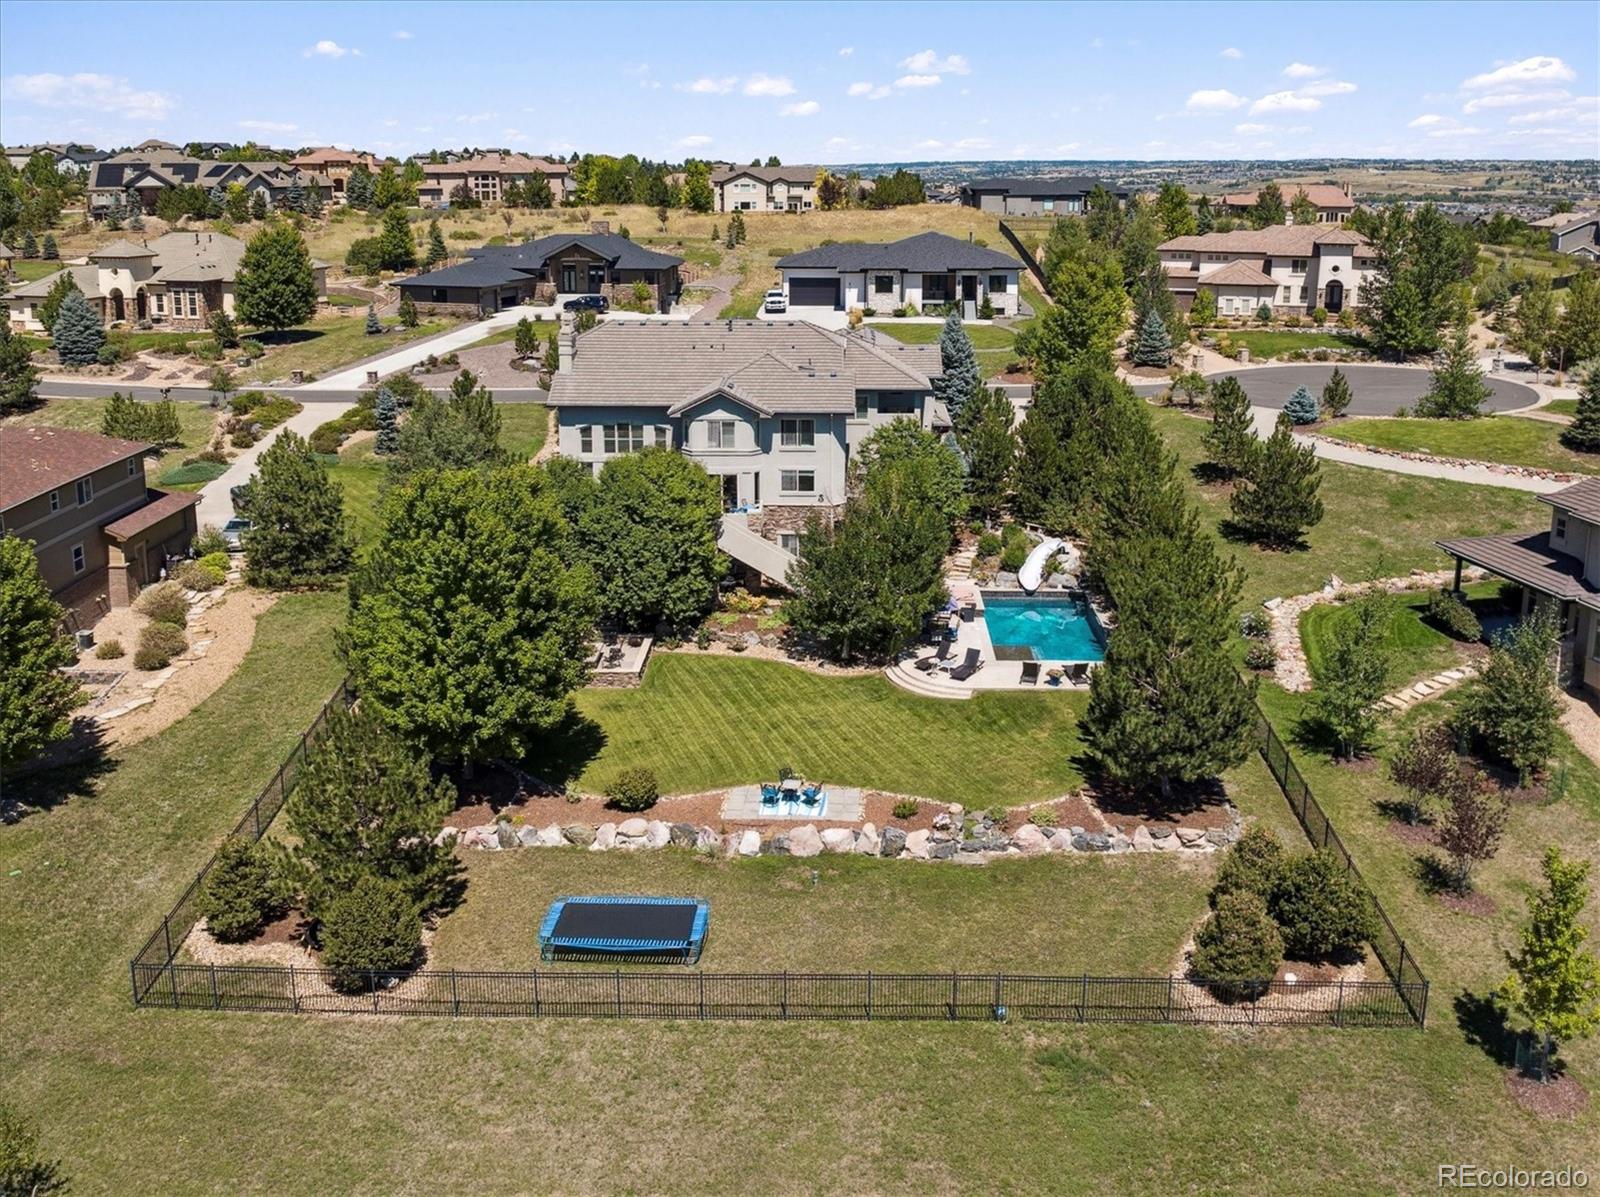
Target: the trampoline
(612, 928)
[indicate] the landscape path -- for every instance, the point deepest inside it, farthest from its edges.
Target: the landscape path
(216, 498)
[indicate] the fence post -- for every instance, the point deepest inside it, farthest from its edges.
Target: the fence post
(294, 991)
(997, 995)
(1170, 983)
(952, 995)
(618, 975)
(133, 976)
(869, 995)
(166, 930)
(172, 978)
(372, 977)
(702, 997)
(536, 993)
(783, 1000)
(455, 996)
(1338, 1011)
(216, 1002)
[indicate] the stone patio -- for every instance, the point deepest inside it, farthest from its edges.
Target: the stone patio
(843, 805)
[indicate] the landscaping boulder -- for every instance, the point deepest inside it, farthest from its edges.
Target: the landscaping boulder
(750, 843)
(528, 837)
(657, 834)
(580, 834)
(1061, 840)
(1221, 837)
(942, 851)
(1030, 841)
(634, 827)
(804, 841)
(942, 822)
(1190, 836)
(505, 835)
(1092, 843)
(778, 845)
(1142, 841)
(682, 835)
(867, 841)
(988, 842)
(838, 839)
(706, 840)
(917, 843)
(551, 837)
(605, 836)
(1120, 842)
(1165, 841)
(448, 835)
(892, 842)
(956, 810)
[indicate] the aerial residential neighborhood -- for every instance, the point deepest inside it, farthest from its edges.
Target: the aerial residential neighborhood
(775, 598)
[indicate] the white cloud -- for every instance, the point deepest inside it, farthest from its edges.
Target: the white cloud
(268, 126)
(930, 144)
(1285, 101)
(1541, 69)
(91, 92)
(926, 62)
(1097, 43)
(1214, 100)
(476, 118)
(1301, 70)
(693, 142)
(872, 91)
(1249, 128)
(403, 35)
(768, 85)
(707, 86)
(1066, 147)
(1328, 87)
(1513, 99)
(1426, 120)
(804, 108)
(845, 52)
(1581, 108)
(973, 143)
(327, 48)
(918, 81)
(1454, 131)
(1232, 52)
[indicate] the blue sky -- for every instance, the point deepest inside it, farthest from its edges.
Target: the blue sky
(816, 82)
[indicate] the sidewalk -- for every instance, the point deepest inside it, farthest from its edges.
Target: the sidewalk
(216, 504)
(355, 377)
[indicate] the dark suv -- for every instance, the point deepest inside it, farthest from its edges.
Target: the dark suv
(583, 303)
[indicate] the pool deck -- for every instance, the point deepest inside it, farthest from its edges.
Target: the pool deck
(843, 804)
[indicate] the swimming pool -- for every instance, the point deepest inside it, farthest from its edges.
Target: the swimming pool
(1050, 628)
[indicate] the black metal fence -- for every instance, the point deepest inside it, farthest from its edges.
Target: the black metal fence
(160, 980)
(1387, 945)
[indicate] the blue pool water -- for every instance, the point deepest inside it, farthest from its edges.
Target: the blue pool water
(1055, 629)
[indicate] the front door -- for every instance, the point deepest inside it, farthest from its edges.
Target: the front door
(969, 288)
(569, 279)
(1333, 297)
(730, 491)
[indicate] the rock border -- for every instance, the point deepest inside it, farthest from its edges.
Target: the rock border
(1494, 467)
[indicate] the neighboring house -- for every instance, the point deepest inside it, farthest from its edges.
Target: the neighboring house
(928, 270)
(212, 149)
(69, 156)
(765, 188)
(175, 281)
(1578, 235)
(486, 177)
(139, 178)
(1294, 269)
(546, 271)
(1067, 196)
(772, 409)
(1335, 204)
(7, 257)
(99, 531)
(335, 164)
(1558, 565)
(154, 145)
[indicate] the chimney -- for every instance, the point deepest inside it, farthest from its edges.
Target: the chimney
(600, 227)
(567, 342)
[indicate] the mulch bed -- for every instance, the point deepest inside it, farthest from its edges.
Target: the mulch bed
(1357, 764)
(1421, 835)
(1306, 972)
(1203, 807)
(1560, 1098)
(1480, 905)
(1071, 811)
(288, 927)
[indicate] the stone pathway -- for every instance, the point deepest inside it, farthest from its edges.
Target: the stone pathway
(958, 565)
(1407, 697)
(721, 287)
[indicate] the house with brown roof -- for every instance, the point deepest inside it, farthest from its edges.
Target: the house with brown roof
(486, 177)
(175, 281)
(99, 531)
(137, 178)
(765, 188)
(1334, 202)
(1293, 269)
(1557, 567)
(335, 164)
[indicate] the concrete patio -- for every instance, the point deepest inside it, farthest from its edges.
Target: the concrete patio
(843, 805)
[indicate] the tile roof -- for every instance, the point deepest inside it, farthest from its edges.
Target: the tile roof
(1527, 557)
(922, 252)
(514, 164)
(775, 366)
(5, 251)
(192, 257)
(162, 503)
(1072, 185)
(86, 276)
(122, 248)
(1582, 499)
(40, 459)
(1323, 195)
(768, 174)
(1236, 274)
(1275, 239)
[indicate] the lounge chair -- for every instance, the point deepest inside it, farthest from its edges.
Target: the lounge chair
(1030, 673)
(1078, 673)
(929, 663)
(969, 666)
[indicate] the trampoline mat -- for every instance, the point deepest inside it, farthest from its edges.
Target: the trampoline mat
(648, 921)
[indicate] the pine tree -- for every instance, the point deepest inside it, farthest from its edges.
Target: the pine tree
(136, 221)
(50, 253)
(238, 895)
(537, 193)
(408, 311)
(1583, 434)
(314, 203)
(1204, 221)
(1230, 442)
(436, 250)
(30, 247)
(1336, 394)
(1457, 391)
(19, 381)
(78, 334)
(369, 929)
(1152, 347)
(258, 205)
(216, 202)
(299, 537)
(386, 415)
(238, 203)
(1554, 986)
(958, 379)
(358, 188)
(294, 198)
(373, 326)
(36, 699)
(989, 446)
(1278, 502)
(1302, 407)
(276, 287)
(24, 1167)
(1269, 208)
(1301, 209)
(396, 250)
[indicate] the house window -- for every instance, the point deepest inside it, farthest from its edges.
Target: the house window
(161, 303)
(1288, 294)
(623, 438)
(77, 558)
(663, 438)
(1297, 265)
(1561, 527)
(896, 403)
(797, 482)
(440, 295)
(862, 398)
(883, 284)
(935, 288)
(55, 500)
(719, 434)
(997, 284)
(797, 433)
(1302, 294)
(789, 542)
(85, 491)
(586, 439)
(133, 464)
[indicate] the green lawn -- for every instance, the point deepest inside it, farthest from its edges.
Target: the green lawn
(195, 423)
(1376, 524)
(503, 336)
(32, 269)
(1511, 440)
(895, 918)
(995, 345)
(523, 427)
(1418, 648)
(1562, 407)
(330, 343)
(704, 722)
(1264, 343)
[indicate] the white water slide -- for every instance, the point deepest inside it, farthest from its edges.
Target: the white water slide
(1031, 576)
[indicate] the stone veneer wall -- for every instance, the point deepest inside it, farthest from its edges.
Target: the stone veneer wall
(794, 517)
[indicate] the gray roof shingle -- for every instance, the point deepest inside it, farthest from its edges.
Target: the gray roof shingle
(1067, 185)
(922, 252)
(495, 265)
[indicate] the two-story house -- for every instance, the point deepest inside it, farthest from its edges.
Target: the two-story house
(99, 531)
(773, 410)
(1557, 565)
(765, 188)
(1293, 269)
(1062, 196)
(1333, 201)
(485, 178)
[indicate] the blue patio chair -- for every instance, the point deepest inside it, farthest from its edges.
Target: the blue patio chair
(810, 794)
(769, 793)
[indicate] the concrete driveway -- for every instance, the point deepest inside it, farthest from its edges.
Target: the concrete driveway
(216, 501)
(1374, 390)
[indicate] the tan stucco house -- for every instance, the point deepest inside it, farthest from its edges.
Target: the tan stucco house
(765, 188)
(486, 177)
(1294, 269)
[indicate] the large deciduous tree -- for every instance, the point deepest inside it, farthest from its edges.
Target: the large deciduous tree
(920, 465)
(989, 445)
(36, 699)
(1084, 322)
(1512, 705)
(276, 286)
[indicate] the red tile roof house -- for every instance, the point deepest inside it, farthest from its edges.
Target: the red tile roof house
(1334, 203)
(99, 532)
(1294, 269)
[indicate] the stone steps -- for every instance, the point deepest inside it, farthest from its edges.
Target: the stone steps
(1409, 696)
(909, 679)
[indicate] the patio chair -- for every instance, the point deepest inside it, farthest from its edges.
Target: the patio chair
(1078, 673)
(929, 663)
(769, 793)
(635, 640)
(1030, 673)
(810, 792)
(969, 666)
(969, 612)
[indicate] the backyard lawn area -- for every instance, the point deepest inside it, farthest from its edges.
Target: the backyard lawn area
(711, 721)
(1376, 524)
(195, 422)
(1264, 343)
(1417, 648)
(330, 343)
(995, 345)
(1511, 440)
(30, 270)
(1562, 407)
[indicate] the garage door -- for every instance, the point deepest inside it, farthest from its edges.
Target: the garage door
(814, 292)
